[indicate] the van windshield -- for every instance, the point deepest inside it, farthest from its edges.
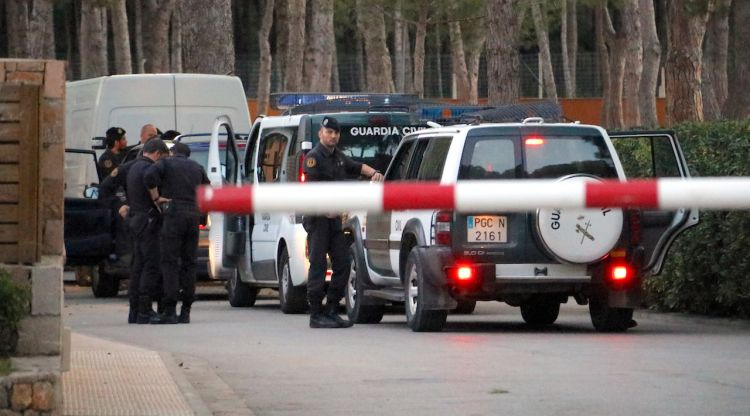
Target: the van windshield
(198, 145)
(370, 138)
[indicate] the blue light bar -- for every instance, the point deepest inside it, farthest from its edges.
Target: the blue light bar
(285, 100)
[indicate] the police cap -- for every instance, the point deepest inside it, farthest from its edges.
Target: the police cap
(169, 135)
(180, 149)
(330, 123)
(155, 145)
(115, 133)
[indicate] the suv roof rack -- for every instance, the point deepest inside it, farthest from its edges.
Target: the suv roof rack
(545, 111)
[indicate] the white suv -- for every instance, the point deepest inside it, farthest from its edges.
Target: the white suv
(270, 249)
(439, 261)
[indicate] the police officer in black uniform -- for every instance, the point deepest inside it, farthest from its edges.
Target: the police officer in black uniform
(327, 163)
(116, 143)
(144, 222)
(172, 183)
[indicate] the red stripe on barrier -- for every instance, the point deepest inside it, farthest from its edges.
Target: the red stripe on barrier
(233, 199)
(418, 196)
(643, 194)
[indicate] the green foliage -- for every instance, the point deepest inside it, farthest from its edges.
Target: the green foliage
(14, 301)
(708, 268)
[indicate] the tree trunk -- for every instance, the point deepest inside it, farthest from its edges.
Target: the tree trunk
(737, 105)
(208, 40)
(140, 59)
(714, 71)
(264, 73)
(335, 80)
(603, 27)
(458, 63)
(419, 40)
(156, 32)
(17, 20)
(473, 67)
(371, 23)
(502, 53)
(175, 58)
(542, 37)
(93, 40)
(398, 48)
(359, 63)
(320, 43)
(651, 65)
(567, 81)
(633, 51)
(572, 38)
(295, 56)
(438, 58)
(282, 39)
(41, 36)
(123, 63)
(687, 27)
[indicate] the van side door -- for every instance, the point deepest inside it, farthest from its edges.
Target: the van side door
(222, 168)
(651, 155)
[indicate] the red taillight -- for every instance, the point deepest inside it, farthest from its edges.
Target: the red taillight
(443, 220)
(301, 169)
(464, 273)
(534, 141)
(202, 227)
(620, 273)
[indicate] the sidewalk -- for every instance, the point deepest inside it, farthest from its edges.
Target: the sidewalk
(112, 379)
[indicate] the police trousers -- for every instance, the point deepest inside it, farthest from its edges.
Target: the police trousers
(179, 243)
(145, 275)
(326, 236)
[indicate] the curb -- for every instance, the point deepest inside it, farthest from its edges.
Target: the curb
(188, 391)
(686, 318)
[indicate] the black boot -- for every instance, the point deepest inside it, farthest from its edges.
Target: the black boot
(168, 317)
(318, 318)
(133, 312)
(145, 310)
(331, 311)
(184, 313)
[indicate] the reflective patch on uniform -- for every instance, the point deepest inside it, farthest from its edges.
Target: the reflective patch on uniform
(114, 172)
(107, 164)
(310, 162)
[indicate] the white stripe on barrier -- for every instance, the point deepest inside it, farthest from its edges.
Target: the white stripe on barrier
(322, 198)
(518, 195)
(726, 193)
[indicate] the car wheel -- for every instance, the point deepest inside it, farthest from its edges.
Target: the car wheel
(292, 299)
(419, 319)
(540, 310)
(357, 312)
(103, 284)
(241, 294)
(606, 318)
(465, 307)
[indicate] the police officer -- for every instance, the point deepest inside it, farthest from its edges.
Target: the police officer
(143, 223)
(148, 132)
(116, 143)
(172, 182)
(327, 163)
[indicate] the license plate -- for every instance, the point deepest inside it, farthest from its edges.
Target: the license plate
(486, 229)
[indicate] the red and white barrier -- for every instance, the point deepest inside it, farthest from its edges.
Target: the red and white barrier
(717, 193)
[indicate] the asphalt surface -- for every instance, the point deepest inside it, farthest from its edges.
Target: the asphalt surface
(486, 363)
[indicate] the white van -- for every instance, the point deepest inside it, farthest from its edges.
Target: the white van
(188, 103)
(269, 249)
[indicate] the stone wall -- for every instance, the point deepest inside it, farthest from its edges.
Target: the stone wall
(34, 387)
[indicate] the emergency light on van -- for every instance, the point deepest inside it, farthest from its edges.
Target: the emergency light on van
(534, 141)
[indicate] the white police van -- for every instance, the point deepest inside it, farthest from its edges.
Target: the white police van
(269, 250)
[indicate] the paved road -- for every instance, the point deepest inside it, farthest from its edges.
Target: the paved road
(487, 363)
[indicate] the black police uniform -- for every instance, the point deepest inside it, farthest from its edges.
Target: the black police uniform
(177, 178)
(108, 161)
(325, 233)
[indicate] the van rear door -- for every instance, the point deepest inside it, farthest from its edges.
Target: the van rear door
(651, 155)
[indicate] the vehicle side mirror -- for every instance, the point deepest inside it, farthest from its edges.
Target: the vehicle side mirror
(98, 143)
(91, 192)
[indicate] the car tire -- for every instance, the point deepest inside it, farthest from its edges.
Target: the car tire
(419, 319)
(357, 312)
(241, 294)
(465, 307)
(540, 310)
(606, 318)
(103, 284)
(293, 299)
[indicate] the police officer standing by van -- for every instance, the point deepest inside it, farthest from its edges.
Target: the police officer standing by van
(116, 143)
(172, 183)
(326, 236)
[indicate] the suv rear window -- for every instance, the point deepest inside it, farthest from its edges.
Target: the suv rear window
(548, 157)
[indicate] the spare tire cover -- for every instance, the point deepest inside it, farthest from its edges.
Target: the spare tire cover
(579, 235)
